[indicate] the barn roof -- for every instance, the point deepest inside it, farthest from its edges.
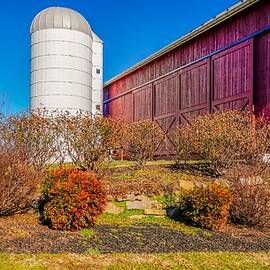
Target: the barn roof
(228, 13)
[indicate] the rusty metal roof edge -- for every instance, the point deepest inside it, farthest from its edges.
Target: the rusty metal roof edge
(223, 16)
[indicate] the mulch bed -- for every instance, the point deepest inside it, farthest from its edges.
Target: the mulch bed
(24, 234)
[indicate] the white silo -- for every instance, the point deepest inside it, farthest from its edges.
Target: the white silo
(61, 61)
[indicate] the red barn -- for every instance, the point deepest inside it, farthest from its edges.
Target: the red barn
(223, 64)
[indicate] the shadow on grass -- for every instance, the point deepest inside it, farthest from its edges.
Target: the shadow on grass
(196, 167)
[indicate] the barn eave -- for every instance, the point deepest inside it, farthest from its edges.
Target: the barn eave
(225, 15)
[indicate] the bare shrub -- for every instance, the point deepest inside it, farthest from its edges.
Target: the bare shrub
(88, 139)
(121, 128)
(32, 136)
(183, 140)
(18, 184)
(144, 138)
(250, 187)
(224, 139)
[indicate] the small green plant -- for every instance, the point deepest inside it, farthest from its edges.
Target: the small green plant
(114, 231)
(92, 252)
(206, 207)
(168, 200)
(207, 234)
(86, 233)
(73, 199)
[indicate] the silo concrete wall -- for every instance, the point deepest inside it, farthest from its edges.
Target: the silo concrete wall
(61, 70)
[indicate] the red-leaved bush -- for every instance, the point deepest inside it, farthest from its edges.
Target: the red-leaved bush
(72, 199)
(206, 207)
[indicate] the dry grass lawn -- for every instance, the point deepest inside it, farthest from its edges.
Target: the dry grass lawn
(194, 261)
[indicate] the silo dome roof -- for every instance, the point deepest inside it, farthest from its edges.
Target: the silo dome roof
(59, 17)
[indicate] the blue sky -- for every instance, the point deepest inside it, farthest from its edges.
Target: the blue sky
(131, 30)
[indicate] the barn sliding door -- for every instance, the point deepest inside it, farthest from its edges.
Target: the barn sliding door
(232, 78)
(194, 91)
(165, 108)
(142, 103)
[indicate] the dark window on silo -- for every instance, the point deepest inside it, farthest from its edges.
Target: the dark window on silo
(98, 70)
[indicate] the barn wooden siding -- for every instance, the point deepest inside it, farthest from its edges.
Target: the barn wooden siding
(226, 67)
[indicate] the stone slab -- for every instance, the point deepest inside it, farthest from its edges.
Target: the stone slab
(111, 208)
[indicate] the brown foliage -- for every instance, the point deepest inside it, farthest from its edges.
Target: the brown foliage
(250, 187)
(32, 136)
(183, 140)
(144, 138)
(18, 184)
(73, 199)
(121, 129)
(122, 133)
(224, 139)
(88, 139)
(148, 186)
(206, 207)
(237, 142)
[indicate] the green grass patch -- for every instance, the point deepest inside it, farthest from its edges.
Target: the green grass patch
(160, 174)
(124, 220)
(110, 219)
(120, 204)
(126, 261)
(120, 164)
(127, 163)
